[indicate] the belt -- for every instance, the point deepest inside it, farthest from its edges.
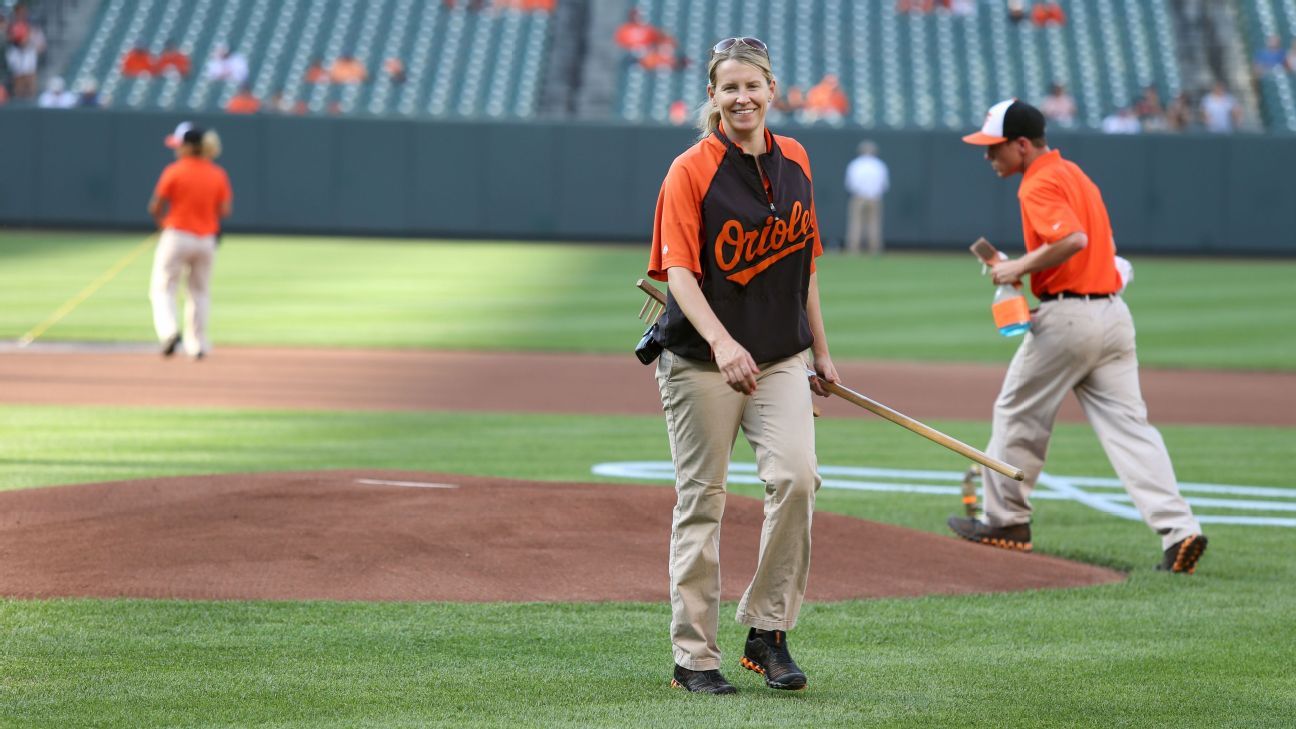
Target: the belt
(1074, 295)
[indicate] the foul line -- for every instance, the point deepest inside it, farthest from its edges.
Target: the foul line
(86, 293)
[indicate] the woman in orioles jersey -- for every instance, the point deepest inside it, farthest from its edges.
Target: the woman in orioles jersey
(735, 238)
(190, 198)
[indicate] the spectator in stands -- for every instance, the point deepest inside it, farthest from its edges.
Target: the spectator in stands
(1058, 106)
(1150, 113)
(1046, 14)
(664, 57)
(678, 113)
(1179, 114)
(173, 60)
(825, 101)
(1291, 56)
(1016, 11)
(88, 94)
(315, 73)
(243, 102)
(4, 95)
(1121, 121)
(914, 6)
(867, 180)
(963, 8)
(1271, 58)
(790, 101)
(138, 62)
(226, 65)
(1220, 112)
(23, 59)
(395, 70)
(636, 36)
(347, 69)
(56, 95)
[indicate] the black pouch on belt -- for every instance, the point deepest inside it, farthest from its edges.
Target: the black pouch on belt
(647, 350)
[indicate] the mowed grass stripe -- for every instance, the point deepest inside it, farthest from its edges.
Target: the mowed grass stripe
(1191, 313)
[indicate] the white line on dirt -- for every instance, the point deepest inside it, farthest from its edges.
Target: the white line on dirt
(412, 484)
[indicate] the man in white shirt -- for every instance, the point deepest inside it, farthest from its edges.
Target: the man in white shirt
(56, 95)
(225, 65)
(1122, 121)
(867, 179)
(1220, 111)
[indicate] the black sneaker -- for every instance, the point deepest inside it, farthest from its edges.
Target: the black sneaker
(169, 346)
(767, 654)
(1016, 537)
(1182, 556)
(701, 682)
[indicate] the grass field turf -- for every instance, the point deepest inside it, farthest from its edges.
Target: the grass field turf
(1206, 313)
(1210, 650)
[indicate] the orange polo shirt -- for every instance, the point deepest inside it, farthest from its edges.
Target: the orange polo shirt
(1058, 199)
(194, 189)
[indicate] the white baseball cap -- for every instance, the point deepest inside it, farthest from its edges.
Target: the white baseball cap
(177, 137)
(1009, 119)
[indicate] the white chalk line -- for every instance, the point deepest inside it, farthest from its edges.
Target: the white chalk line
(410, 484)
(1082, 489)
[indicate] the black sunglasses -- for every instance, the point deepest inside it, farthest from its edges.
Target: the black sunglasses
(753, 43)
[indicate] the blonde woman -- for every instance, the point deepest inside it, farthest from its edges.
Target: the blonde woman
(736, 238)
(190, 199)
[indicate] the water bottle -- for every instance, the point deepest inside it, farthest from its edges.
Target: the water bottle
(1011, 313)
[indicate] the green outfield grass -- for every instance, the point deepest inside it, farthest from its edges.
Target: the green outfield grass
(1213, 649)
(1209, 313)
(1159, 650)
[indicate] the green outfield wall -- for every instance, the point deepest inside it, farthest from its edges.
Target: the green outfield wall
(577, 181)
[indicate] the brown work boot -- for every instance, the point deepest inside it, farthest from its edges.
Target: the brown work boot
(1016, 537)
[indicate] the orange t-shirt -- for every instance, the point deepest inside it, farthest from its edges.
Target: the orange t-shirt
(1058, 199)
(195, 189)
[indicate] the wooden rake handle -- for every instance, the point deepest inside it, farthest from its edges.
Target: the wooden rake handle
(887, 413)
(926, 431)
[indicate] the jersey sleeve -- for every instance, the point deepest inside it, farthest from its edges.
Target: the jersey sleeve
(1049, 214)
(793, 150)
(677, 225)
(165, 184)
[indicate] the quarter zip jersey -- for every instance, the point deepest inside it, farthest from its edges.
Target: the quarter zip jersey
(752, 247)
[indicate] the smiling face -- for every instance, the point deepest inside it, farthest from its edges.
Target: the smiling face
(742, 94)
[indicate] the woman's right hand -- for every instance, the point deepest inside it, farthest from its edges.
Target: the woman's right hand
(737, 366)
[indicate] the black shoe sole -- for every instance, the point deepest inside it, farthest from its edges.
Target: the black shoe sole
(1189, 552)
(724, 692)
(169, 348)
(751, 665)
(1009, 544)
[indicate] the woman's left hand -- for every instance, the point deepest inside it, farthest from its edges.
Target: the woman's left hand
(824, 370)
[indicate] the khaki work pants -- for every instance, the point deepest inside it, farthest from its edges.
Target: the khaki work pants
(703, 415)
(864, 218)
(1085, 347)
(176, 251)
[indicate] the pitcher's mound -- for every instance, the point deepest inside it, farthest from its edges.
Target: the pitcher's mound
(397, 535)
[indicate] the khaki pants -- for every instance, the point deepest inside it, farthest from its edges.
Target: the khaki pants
(1085, 347)
(865, 216)
(176, 251)
(703, 416)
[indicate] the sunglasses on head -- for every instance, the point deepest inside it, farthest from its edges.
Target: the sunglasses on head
(753, 43)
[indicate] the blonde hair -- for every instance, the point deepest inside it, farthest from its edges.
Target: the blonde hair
(708, 119)
(211, 144)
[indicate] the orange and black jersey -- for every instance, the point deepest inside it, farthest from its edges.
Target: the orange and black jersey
(750, 240)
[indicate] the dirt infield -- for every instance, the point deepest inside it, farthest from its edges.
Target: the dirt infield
(340, 536)
(329, 536)
(341, 379)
